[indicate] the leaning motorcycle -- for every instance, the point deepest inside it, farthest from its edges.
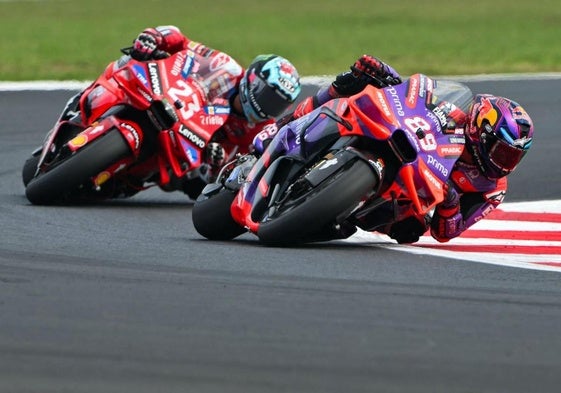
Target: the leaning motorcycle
(138, 125)
(381, 156)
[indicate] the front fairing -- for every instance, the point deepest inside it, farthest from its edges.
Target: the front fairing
(417, 130)
(294, 146)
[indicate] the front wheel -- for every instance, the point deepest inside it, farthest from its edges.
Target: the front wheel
(212, 218)
(305, 217)
(30, 168)
(65, 178)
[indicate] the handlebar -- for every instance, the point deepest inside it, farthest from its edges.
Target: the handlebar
(375, 80)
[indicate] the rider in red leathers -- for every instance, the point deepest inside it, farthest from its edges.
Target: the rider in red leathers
(256, 95)
(498, 132)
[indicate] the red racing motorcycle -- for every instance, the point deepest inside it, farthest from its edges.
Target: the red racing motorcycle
(140, 124)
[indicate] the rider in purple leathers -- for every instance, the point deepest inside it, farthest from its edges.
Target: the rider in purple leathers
(498, 133)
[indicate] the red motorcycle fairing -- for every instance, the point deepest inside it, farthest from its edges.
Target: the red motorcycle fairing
(159, 102)
(130, 130)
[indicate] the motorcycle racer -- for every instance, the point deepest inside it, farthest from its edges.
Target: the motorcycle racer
(256, 95)
(498, 133)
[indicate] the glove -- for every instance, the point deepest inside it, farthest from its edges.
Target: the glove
(346, 84)
(215, 154)
(375, 72)
(366, 70)
(214, 157)
(451, 198)
(408, 230)
(448, 221)
(145, 46)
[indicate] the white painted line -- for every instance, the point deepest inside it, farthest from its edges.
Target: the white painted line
(542, 254)
(320, 80)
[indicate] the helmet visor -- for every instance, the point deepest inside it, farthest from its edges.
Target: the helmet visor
(266, 100)
(505, 156)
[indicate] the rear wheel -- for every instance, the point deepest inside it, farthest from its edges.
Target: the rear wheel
(212, 219)
(64, 179)
(304, 217)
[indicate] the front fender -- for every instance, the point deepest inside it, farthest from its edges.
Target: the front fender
(255, 196)
(130, 130)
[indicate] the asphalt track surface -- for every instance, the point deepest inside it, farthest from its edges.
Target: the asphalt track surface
(126, 296)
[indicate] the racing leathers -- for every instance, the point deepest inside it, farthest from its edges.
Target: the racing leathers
(219, 76)
(470, 195)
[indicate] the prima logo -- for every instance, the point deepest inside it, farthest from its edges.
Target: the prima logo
(396, 101)
(438, 165)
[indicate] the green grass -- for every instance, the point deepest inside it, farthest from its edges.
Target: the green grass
(63, 39)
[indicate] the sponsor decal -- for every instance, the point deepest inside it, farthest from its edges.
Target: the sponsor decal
(178, 64)
(155, 78)
(440, 115)
(396, 101)
(189, 64)
(496, 197)
(192, 137)
(437, 164)
(140, 74)
(432, 179)
(144, 94)
(522, 142)
(435, 120)
(97, 129)
(328, 163)
(413, 92)
(450, 150)
(379, 165)
(102, 178)
(132, 134)
(287, 84)
(383, 103)
(217, 110)
(287, 68)
(78, 141)
(422, 85)
(486, 112)
(211, 120)
(430, 84)
(192, 153)
(219, 61)
(457, 139)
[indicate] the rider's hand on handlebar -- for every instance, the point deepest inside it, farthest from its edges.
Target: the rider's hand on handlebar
(145, 46)
(375, 72)
(367, 70)
(214, 154)
(346, 84)
(451, 196)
